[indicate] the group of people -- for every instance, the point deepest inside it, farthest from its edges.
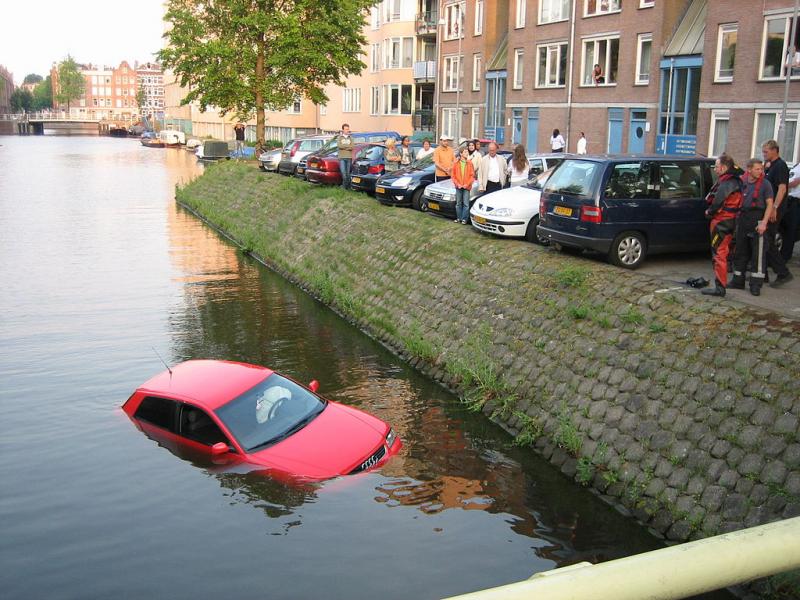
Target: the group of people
(746, 210)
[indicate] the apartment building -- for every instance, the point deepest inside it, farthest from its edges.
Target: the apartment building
(150, 78)
(635, 76)
(6, 89)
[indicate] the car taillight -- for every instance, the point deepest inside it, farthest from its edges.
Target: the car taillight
(375, 169)
(295, 148)
(312, 164)
(542, 207)
(592, 214)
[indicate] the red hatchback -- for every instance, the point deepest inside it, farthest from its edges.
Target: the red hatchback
(251, 414)
(324, 168)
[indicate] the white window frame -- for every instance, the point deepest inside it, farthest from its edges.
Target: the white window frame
(602, 7)
(552, 5)
(647, 3)
(717, 115)
(392, 11)
(477, 71)
(790, 116)
(375, 64)
(375, 100)
(641, 39)
(323, 109)
(454, 20)
(559, 47)
(375, 17)
(787, 17)
(478, 30)
(451, 123)
(475, 123)
(387, 98)
(451, 73)
(296, 107)
(519, 19)
(519, 68)
(724, 29)
(596, 41)
(351, 100)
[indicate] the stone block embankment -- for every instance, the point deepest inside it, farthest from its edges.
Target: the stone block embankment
(680, 409)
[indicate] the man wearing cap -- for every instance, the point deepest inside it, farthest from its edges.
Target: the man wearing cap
(443, 158)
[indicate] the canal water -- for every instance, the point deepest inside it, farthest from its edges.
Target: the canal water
(100, 269)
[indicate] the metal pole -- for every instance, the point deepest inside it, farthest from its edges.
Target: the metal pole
(571, 71)
(669, 104)
(784, 143)
(460, 69)
(440, 25)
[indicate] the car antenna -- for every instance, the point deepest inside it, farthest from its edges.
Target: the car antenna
(162, 360)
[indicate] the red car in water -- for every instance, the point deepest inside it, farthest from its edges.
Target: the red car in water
(250, 414)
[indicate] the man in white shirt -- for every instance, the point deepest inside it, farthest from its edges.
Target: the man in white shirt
(582, 144)
(492, 174)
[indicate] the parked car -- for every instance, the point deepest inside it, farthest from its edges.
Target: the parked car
(241, 413)
(297, 149)
(361, 137)
(406, 186)
(324, 169)
(268, 161)
(368, 166)
(627, 206)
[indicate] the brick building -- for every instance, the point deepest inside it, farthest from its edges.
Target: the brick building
(6, 89)
(150, 78)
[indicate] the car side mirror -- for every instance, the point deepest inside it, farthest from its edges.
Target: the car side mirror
(219, 448)
(314, 386)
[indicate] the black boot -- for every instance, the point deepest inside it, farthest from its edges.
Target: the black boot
(717, 290)
(737, 283)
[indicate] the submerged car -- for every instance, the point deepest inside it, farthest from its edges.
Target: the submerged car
(250, 414)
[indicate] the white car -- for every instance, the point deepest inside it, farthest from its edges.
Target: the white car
(511, 212)
(268, 161)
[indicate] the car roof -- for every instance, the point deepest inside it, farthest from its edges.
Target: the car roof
(618, 157)
(210, 383)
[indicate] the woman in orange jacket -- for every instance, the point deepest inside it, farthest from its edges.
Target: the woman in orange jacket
(463, 176)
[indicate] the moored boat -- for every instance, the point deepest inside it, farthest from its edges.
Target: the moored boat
(172, 138)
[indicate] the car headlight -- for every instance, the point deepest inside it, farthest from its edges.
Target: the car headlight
(390, 437)
(502, 212)
(449, 197)
(402, 182)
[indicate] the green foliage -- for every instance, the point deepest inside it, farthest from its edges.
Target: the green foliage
(566, 434)
(43, 94)
(656, 327)
(141, 98)
(417, 345)
(578, 312)
(21, 100)
(632, 316)
(70, 81)
(585, 470)
(245, 56)
(32, 78)
(572, 277)
(530, 429)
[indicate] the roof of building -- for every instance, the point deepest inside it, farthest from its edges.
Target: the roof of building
(688, 37)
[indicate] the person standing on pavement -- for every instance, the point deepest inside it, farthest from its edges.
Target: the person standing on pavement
(443, 158)
(391, 156)
(238, 132)
(725, 200)
(406, 152)
(557, 141)
(463, 178)
(518, 167)
(474, 155)
(791, 219)
(751, 225)
(582, 144)
(492, 174)
(344, 145)
(778, 175)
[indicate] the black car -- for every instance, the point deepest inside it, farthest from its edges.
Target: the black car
(368, 167)
(406, 186)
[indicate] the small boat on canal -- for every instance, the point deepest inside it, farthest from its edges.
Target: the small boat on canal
(150, 139)
(172, 138)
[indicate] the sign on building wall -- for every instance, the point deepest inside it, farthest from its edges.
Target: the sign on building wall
(676, 144)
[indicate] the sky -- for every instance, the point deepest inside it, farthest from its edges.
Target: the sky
(92, 31)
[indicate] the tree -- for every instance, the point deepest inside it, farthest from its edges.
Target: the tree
(141, 100)
(21, 100)
(32, 78)
(43, 94)
(245, 56)
(70, 81)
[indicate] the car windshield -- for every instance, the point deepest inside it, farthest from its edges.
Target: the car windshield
(423, 163)
(537, 182)
(573, 177)
(269, 412)
(370, 153)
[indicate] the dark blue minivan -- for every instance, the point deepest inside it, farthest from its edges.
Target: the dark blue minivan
(628, 206)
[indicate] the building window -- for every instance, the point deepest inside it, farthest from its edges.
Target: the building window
(551, 11)
(450, 122)
(376, 58)
(375, 100)
(602, 52)
(726, 52)
(718, 136)
(592, 8)
(453, 19)
(519, 66)
(766, 128)
(296, 106)
(679, 111)
(391, 10)
(478, 17)
(644, 46)
(398, 53)
(775, 48)
(397, 99)
(647, 3)
(351, 101)
(551, 68)
(475, 125)
(323, 109)
(476, 72)
(375, 17)
(452, 73)
(520, 13)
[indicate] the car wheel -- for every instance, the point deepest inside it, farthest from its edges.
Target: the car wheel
(262, 167)
(531, 235)
(628, 250)
(418, 201)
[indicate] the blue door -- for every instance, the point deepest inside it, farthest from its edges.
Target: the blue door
(516, 124)
(532, 142)
(615, 116)
(636, 134)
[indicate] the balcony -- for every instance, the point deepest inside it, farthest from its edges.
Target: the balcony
(425, 71)
(426, 22)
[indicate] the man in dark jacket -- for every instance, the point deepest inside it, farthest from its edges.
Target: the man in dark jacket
(750, 228)
(777, 172)
(724, 202)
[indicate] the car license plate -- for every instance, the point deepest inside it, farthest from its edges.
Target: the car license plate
(301, 170)
(563, 210)
(356, 180)
(477, 219)
(433, 205)
(380, 190)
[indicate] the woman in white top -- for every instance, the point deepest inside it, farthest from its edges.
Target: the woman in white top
(556, 141)
(425, 150)
(582, 144)
(518, 166)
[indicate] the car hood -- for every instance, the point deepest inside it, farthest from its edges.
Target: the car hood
(338, 440)
(442, 187)
(513, 197)
(415, 174)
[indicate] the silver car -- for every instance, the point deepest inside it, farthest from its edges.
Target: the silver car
(268, 161)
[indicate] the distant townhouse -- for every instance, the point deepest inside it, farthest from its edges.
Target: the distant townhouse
(6, 89)
(150, 78)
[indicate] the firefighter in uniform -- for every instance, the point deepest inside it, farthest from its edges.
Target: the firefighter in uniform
(750, 227)
(724, 200)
